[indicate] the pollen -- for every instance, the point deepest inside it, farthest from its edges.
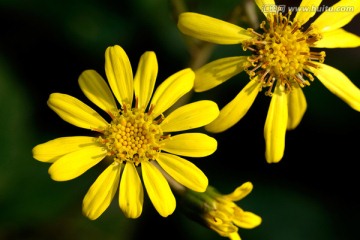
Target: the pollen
(133, 136)
(282, 53)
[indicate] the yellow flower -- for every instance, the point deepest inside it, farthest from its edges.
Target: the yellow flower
(282, 61)
(135, 140)
(219, 212)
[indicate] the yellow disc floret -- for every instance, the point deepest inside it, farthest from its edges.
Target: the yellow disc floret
(282, 53)
(133, 136)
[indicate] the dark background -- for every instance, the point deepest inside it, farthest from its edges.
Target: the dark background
(44, 46)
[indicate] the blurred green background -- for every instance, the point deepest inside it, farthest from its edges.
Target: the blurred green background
(45, 45)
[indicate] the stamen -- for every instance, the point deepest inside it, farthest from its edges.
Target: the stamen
(270, 80)
(295, 28)
(110, 114)
(97, 130)
(150, 109)
(158, 121)
(136, 102)
(264, 75)
(250, 48)
(308, 30)
(286, 21)
(312, 65)
(300, 80)
(166, 136)
(253, 32)
(254, 69)
(262, 26)
(282, 53)
(301, 39)
(252, 59)
(308, 75)
(287, 86)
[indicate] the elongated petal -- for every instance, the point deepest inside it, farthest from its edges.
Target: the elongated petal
(173, 88)
(119, 73)
(75, 112)
(95, 88)
(246, 220)
(101, 193)
(158, 189)
(52, 150)
(296, 107)
(338, 38)
(131, 194)
(211, 29)
(275, 126)
(145, 78)
(183, 171)
(191, 145)
(266, 6)
(340, 14)
(236, 109)
(189, 116)
(240, 192)
(234, 236)
(339, 84)
(76, 163)
(216, 72)
(306, 10)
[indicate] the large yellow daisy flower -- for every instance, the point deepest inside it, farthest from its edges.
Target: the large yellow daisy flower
(135, 140)
(282, 61)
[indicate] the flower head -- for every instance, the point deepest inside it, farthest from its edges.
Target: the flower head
(136, 137)
(219, 212)
(281, 60)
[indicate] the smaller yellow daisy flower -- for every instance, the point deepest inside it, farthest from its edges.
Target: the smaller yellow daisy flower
(281, 60)
(136, 140)
(219, 212)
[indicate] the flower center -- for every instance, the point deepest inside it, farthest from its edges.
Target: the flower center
(133, 136)
(282, 53)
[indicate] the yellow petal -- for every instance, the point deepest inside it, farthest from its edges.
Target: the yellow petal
(76, 163)
(158, 189)
(54, 149)
(266, 6)
(101, 192)
(131, 194)
(234, 236)
(339, 84)
(75, 112)
(296, 107)
(173, 88)
(236, 109)
(338, 38)
(306, 10)
(191, 145)
(211, 29)
(338, 15)
(275, 126)
(247, 220)
(240, 192)
(145, 78)
(183, 171)
(216, 72)
(95, 88)
(119, 73)
(189, 116)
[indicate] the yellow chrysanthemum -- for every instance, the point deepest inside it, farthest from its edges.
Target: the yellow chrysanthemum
(219, 212)
(281, 60)
(135, 140)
